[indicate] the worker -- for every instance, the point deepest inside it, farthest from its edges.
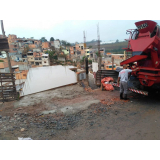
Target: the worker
(123, 78)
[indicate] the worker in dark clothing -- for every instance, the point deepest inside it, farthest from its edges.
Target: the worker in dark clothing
(123, 78)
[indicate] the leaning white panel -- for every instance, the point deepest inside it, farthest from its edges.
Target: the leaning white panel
(45, 78)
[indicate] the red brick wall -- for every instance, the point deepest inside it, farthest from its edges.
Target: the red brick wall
(12, 38)
(32, 46)
(45, 44)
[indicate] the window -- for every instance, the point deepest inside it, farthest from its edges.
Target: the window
(30, 54)
(24, 75)
(111, 66)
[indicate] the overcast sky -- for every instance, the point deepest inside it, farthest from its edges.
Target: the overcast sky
(70, 30)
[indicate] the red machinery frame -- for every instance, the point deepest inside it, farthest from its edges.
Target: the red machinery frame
(144, 43)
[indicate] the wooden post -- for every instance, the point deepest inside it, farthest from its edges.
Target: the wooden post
(112, 63)
(86, 67)
(124, 55)
(99, 63)
(9, 63)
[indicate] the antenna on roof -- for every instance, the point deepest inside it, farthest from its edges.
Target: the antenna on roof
(99, 56)
(84, 40)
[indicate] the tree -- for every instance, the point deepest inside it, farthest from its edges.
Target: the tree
(117, 41)
(63, 42)
(68, 44)
(25, 51)
(51, 39)
(52, 55)
(90, 61)
(90, 46)
(43, 39)
(52, 48)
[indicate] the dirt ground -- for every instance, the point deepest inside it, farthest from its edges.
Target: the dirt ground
(73, 113)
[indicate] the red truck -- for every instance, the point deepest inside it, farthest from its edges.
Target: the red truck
(144, 45)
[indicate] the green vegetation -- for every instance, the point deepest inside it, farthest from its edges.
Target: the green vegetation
(97, 54)
(82, 61)
(65, 43)
(89, 61)
(51, 39)
(62, 55)
(1, 61)
(43, 39)
(52, 55)
(115, 48)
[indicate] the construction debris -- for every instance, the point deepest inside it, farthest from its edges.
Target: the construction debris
(105, 83)
(22, 129)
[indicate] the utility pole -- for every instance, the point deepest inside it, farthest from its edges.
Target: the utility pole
(3, 32)
(84, 42)
(99, 54)
(86, 60)
(84, 49)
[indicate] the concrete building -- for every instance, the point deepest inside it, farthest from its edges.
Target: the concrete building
(66, 51)
(21, 75)
(37, 58)
(32, 46)
(4, 68)
(45, 45)
(87, 52)
(57, 44)
(71, 49)
(3, 54)
(30, 58)
(52, 43)
(36, 50)
(118, 56)
(45, 60)
(12, 38)
(102, 52)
